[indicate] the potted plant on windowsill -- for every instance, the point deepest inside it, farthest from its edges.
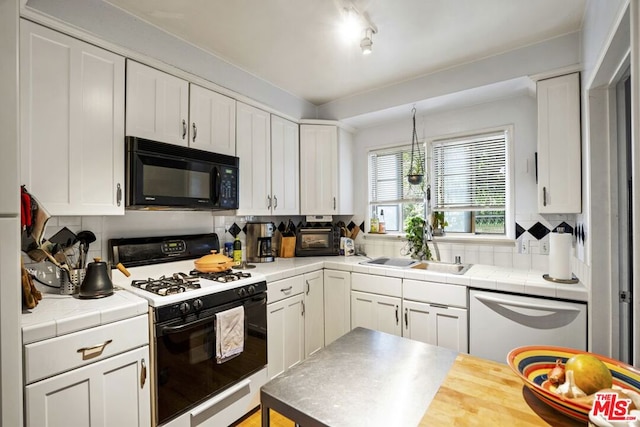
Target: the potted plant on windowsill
(416, 243)
(438, 222)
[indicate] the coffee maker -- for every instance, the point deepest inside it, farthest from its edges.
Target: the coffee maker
(258, 241)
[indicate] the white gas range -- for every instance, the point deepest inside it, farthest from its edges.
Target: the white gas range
(185, 308)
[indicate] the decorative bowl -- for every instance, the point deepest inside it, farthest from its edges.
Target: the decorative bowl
(533, 363)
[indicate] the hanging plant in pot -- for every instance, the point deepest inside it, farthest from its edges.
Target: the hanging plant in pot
(416, 169)
(416, 245)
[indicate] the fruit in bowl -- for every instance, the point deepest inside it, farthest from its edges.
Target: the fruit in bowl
(589, 372)
(538, 365)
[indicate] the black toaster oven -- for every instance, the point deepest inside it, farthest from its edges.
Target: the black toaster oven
(317, 241)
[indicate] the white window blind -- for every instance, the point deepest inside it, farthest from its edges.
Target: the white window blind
(470, 173)
(388, 169)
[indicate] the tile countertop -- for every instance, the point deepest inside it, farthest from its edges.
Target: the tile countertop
(57, 314)
(528, 282)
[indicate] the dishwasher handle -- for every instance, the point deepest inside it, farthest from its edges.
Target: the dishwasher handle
(501, 301)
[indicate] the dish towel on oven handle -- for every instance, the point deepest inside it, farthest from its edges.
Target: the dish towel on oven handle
(229, 333)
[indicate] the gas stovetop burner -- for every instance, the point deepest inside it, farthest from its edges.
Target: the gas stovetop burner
(221, 276)
(177, 283)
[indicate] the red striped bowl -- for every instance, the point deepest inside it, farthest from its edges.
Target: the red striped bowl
(533, 363)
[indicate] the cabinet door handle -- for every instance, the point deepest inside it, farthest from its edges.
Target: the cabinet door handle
(302, 308)
(94, 350)
(118, 194)
(268, 202)
(285, 290)
(184, 129)
(397, 318)
(544, 196)
(406, 318)
(275, 202)
(308, 287)
(334, 203)
(143, 373)
(195, 131)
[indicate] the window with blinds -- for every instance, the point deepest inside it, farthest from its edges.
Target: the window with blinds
(470, 182)
(390, 194)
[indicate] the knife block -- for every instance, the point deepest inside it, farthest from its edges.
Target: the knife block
(288, 247)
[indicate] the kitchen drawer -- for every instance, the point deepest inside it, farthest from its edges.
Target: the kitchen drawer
(50, 357)
(435, 293)
(383, 285)
(284, 288)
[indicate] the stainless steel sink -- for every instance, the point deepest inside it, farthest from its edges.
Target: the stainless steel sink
(391, 262)
(440, 267)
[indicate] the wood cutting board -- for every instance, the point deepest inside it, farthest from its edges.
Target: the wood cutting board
(480, 392)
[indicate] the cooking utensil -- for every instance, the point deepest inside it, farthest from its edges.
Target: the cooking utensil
(65, 238)
(96, 283)
(85, 238)
(123, 269)
(213, 263)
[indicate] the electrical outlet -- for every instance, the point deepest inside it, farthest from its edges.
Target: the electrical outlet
(544, 247)
(524, 246)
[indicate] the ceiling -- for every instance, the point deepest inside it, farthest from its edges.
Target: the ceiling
(296, 45)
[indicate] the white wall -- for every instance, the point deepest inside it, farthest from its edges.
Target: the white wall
(11, 301)
(521, 112)
(601, 53)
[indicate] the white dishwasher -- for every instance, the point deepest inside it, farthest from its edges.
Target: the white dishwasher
(500, 322)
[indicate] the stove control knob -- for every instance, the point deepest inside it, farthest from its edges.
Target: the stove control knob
(252, 289)
(197, 304)
(184, 308)
(242, 292)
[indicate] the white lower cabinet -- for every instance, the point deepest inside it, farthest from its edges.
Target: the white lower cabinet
(95, 377)
(438, 325)
(113, 392)
(376, 302)
(285, 324)
(313, 312)
(337, 304)
(378, 312)
(436, 313)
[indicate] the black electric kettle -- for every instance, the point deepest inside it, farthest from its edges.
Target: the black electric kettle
(96, 283)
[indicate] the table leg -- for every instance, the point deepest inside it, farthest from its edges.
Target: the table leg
(265, 415)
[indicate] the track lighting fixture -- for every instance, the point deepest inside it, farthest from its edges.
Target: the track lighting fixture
(366, 43)
(356, 22)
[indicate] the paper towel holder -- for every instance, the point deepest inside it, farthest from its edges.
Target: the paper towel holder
(571, 281)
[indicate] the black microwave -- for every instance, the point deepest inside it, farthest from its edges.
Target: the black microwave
(160, 175)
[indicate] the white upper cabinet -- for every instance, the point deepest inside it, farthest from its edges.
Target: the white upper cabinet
(213, 121)
(157, 105)
(72, 123)
(559, 162)
(253, 147)
(285, 167)
(326, 186)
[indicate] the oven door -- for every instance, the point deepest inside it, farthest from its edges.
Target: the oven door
(186, 371)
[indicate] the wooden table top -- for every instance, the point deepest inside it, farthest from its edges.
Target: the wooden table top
(480, 392)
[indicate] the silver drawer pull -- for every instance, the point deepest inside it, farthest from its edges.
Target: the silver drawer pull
(93, 351)
(285, 290)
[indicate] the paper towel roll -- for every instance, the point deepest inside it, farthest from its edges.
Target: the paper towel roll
(560, 256)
